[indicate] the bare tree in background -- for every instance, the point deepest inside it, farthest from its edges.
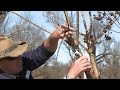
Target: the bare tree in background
(24, 31)
(4, 22)
(53, 70)
(111, 67)
(100, 25)
(98, 33)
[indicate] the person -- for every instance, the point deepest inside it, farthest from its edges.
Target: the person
(16, 63)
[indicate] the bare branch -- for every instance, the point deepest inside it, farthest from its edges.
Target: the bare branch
(77, 31)
(84, 22)
(51, 19)
(115, 31)
(67, 18)
(58, 17)
(90, 22)
(101, 56)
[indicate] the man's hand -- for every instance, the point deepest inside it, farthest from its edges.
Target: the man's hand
(62, 31)
(80, 65)
(52, 42)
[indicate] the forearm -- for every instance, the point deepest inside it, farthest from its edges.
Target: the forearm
(51, 43)
(36, 57)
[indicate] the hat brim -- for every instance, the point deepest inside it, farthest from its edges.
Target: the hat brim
(22, 47)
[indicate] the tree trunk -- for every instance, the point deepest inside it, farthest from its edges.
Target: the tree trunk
(94, 65)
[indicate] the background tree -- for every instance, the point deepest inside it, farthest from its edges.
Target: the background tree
(100, 25)
(25, 31)
(95, 39)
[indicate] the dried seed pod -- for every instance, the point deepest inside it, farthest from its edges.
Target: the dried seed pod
(107, 37)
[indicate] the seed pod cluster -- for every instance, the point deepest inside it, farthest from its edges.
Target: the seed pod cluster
(106, 19)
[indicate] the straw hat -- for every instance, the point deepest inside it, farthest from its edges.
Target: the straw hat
(9, 48)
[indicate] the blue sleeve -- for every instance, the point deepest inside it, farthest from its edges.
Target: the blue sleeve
(35, 58)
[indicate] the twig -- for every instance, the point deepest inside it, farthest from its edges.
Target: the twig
(90, 22)
(67, 19)
(56, 25)
(83, 17)
(57, 17)
(77, 31)
(101, 56)
(115, 31)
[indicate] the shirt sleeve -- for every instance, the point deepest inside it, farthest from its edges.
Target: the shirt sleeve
(35, 58)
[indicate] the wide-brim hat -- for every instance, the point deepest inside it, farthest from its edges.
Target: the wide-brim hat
(9, 48)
